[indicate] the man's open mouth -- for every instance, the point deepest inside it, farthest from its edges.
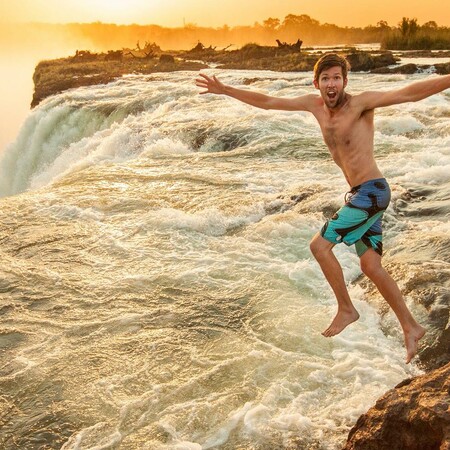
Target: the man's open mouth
(331, 95)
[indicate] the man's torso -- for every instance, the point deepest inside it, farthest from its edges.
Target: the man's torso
(348, 133)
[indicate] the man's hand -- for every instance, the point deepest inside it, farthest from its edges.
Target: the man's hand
(212, 85)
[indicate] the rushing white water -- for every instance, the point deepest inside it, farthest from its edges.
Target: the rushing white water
(157, 290)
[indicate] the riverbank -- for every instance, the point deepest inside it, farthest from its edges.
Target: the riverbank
(56, 76)
(86, 69)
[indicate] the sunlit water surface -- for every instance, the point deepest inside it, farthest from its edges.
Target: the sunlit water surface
(157, 289)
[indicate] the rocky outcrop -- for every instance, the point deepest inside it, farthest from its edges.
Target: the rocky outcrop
(364, 61)
(440, 68)
(415, 415)
(427, 53)
(405, 68)
(443, 68)
(52, 77)
(86, 69)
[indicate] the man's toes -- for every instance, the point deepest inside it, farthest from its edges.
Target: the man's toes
(410, 356)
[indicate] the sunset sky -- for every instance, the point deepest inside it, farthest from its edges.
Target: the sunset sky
(173, 13)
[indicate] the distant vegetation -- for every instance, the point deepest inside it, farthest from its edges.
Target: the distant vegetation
(409, 35)
(291, 28)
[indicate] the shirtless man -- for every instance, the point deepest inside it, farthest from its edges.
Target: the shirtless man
(347, 127)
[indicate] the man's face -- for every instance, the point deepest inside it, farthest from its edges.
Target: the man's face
(331, 84)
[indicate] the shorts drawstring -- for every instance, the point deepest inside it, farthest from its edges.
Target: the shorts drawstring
(348, 195)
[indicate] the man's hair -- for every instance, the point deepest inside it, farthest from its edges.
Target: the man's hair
(328, 61)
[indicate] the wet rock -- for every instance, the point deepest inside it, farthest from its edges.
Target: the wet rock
(364, 62)
(427, 53)
(405, 69)
(442, 68)
(248, 81)
(414, 415)
(360, 61)
(167, 59)
(385, 59)
(59, 75)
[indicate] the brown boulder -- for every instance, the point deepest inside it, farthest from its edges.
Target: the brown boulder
(363, 61)
(414, 415)
(442, 68)
(166, 59)
(405, 69)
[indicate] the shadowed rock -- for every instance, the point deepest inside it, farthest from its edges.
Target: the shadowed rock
(167, 59)
(413, 416)
(405, 69)
(363, 61)
(52, 77)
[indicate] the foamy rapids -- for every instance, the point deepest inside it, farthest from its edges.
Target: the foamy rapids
(157, 289)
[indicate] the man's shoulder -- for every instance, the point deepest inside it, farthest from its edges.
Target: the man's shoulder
(361, 100)
(311, 100)
(313, 97)
(358, 97)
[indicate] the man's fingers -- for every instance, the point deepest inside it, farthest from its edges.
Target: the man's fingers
(206, 82)
(205, 77)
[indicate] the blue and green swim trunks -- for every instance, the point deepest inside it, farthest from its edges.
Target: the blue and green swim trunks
(359, 220)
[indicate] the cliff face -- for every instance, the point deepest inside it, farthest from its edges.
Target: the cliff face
(55, 76)
(415, 415)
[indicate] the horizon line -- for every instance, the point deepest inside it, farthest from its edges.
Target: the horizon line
(190, 24)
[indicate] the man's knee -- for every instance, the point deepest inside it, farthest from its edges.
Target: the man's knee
(314, 245)
(371, 265)
(319, 246)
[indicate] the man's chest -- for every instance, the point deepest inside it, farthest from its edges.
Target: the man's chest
(344, 129)
(338, 131)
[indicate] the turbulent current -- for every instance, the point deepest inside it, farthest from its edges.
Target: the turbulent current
(157, 290)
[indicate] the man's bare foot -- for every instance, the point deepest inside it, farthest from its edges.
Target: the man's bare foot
(412, 338)
(342, 319)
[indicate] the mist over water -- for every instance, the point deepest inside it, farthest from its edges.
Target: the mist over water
(16, 89)
(157, 289)
(22, 46)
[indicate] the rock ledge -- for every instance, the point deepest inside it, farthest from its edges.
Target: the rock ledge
(414, 415)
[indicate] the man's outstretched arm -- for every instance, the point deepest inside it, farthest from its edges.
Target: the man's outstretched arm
(214, 86)
(411, 93)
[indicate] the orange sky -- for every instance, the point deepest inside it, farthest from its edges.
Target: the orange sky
(173, 13)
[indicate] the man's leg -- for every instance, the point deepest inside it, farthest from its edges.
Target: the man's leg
(346, 314)
(371, 266)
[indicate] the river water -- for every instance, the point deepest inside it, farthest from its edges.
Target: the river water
(156, 288)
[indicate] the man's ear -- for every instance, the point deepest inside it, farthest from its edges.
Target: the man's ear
(345, 82)
(316, 84)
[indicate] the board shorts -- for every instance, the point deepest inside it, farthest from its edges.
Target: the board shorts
(359, 220)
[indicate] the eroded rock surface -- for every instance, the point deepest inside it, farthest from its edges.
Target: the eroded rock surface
(414, 415)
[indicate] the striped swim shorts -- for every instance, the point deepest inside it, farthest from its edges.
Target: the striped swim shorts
(359, 220)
